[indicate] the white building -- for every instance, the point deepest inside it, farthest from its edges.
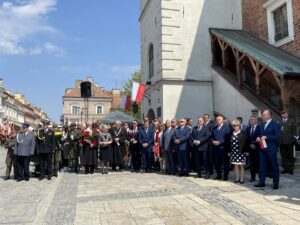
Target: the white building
(176, 54)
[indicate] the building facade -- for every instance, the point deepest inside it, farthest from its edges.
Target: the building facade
(176, 54)
(219, 57)
(79, 110)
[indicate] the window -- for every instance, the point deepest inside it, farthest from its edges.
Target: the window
(151, 62)
(99, 109)
(75, 109)
(280, 21)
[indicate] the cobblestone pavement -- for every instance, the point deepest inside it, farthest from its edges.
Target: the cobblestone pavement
(130, 198)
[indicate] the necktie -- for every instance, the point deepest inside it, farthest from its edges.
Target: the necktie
(252, 130)
(199, 128)
(264, 124)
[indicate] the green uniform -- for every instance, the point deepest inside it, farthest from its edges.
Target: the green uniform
(288, 129)
(73, 138)
(11, 160)
(56, 154)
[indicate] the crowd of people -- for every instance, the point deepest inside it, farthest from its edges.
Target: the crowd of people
(175, 147)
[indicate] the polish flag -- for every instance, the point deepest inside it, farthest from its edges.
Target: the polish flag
(137, 92)
(125, 102)
(263, 144)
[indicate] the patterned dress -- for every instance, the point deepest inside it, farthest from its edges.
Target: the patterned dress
(237, 157)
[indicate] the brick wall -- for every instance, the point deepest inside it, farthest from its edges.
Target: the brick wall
(255, 22)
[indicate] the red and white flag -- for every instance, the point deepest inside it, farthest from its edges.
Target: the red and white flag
(137, 92)
(263, 144)
(125, 102)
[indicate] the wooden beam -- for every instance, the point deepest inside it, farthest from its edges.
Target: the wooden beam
(278, 80)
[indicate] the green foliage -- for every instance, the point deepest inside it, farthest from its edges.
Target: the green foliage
(135, 77)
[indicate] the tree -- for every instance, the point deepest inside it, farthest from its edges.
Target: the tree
(135, 77)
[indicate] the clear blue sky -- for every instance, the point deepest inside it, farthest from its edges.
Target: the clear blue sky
(46, 44)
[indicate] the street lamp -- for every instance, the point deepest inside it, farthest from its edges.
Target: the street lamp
(1, 100)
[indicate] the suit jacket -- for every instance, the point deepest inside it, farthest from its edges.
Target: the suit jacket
(210, 125)
(183, 134)
(288, 130)
(121, 134)
(222, 135)
(25, 144)
(273, 133)
(48, 144)
(167, 139)
(252, 138)
(203, 136)
(146, 137)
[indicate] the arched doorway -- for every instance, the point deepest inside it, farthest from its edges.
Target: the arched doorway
(151, 115)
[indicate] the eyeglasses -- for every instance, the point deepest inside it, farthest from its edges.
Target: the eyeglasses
(181, 121)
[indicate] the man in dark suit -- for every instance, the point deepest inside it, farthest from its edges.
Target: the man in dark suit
(288, 130)
(46, 143)
(220, 138)
(270, 134)
(168, 147)
(200, 138)
(118, 134)
(146, 140)
(24, 148)
(253, 132)
(181, 140)
(209, 156)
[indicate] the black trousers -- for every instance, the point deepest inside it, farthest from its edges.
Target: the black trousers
(45, 162)
(136, 157)
(23, 166)
(254, 162)
(200, 161)
(221, 162)
(89, 169)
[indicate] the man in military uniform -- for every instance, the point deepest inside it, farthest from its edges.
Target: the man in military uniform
(288, 129)
(24, 148)
(56, 154)
(46, 142)
(73, 138)
(11, 160)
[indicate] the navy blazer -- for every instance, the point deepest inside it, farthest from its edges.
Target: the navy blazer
(203, 136)
(273, 133)
(148, 137)
(183, 134)
(252, 138)
(222, 135)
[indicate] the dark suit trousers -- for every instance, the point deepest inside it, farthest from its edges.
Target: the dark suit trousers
(271, 156)
(135, 157)
(146, 153)
(23, 166)
(45, 161)
(287, 157)
(183, 158)
(170, 161)
(254, 162)
(221, 162)
(200, 161)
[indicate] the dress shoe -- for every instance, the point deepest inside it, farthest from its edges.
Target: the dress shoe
(26, 179)
(206, 176)
(7, 178)
(49, 177)
(41, 177)
(186, 174)
(260, 185)
(237, 181)
(242, 182)
(199, 175)
(225, 178)
(275, 186)
(284, 171)
(218, 178)
(181, 174)
(19, 179)
(252, 180)
(15, 177)
(291, 172)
